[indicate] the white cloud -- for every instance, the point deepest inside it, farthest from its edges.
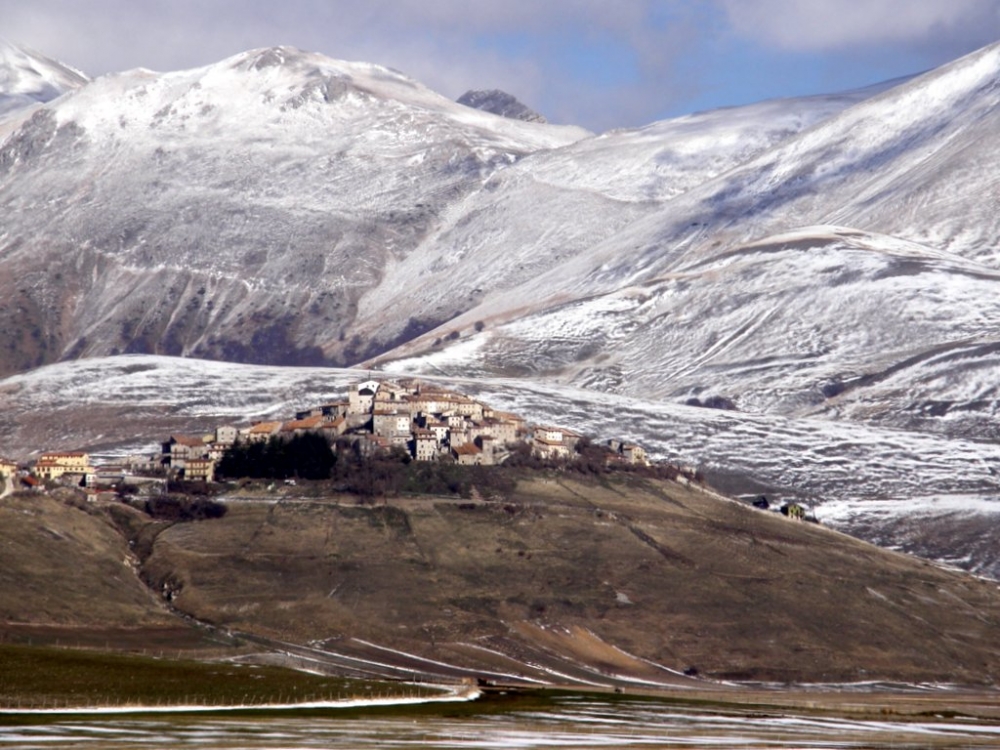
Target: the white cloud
(538, 51)
(597, 63)
(811, 25)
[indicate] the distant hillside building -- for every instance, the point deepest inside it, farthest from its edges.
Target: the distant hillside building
(361, 398)
(313, 424)
(56, 465)
(468, 455)
(261, 431)
(180, 449)
(425, 445)
(629, 453)
(199, 470)
(391, 424)
(8, 468)
(107, 475)
(548, 442)
(226, 435)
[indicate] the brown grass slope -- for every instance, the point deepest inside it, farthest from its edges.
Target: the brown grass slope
(63, 564)
(568, 574)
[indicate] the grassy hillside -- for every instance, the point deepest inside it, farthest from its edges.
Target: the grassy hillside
(565, 569)
(564, 581)
(62, 563)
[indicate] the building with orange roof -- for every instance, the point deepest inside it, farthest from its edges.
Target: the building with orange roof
(308, 424)
(467, 454)
(53, 465)
(260, 431)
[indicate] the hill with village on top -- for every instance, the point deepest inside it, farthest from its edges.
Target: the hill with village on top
(822, 268)
(539, 558)
(406, 419)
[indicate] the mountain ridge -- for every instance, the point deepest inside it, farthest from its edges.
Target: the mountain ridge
(392, 215)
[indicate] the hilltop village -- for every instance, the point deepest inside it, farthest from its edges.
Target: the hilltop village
(427, 422)
(380, 418)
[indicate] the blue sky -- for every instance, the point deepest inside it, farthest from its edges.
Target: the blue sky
(598, 63)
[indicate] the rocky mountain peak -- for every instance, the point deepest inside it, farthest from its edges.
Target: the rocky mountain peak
(501, 103)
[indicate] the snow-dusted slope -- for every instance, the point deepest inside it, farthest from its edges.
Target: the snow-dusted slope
(238, 210)
(541, 214)
(284, 207)
(668, 158)
(879, 166)
(823, 321)
(725, 289)
(27, 78)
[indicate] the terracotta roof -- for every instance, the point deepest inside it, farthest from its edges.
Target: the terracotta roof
(63, 454)
(467, 449)
(309, 423)
(264, 428)
(192, 442)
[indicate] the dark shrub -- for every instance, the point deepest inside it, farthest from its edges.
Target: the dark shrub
(307, 456)
(181, 508)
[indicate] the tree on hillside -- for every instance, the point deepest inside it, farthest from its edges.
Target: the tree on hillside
(307, 456)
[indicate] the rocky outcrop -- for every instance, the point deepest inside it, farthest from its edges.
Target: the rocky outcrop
(500, 103)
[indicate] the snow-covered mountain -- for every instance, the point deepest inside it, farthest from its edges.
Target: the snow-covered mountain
(828, 264)
(236, 211)
(284, 207)
(883, 311)
(28, 78)
(825, 321)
